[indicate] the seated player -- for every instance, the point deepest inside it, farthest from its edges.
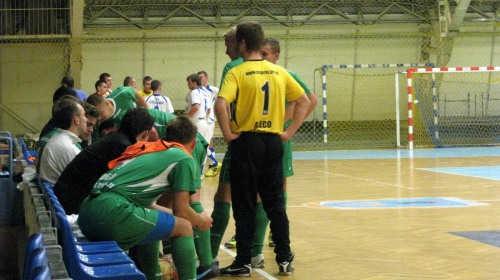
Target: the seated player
(122, 205)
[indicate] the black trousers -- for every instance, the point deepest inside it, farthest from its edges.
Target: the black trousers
(257, 167)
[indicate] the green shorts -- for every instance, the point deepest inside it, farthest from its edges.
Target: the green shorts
(111, 216)
(287, 159)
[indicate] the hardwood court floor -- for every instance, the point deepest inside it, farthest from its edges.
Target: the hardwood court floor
(387, 243)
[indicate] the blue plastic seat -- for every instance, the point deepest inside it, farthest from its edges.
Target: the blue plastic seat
(41, 273)
(80, 266)
(29, 156)
(38, 258)
(35, 242)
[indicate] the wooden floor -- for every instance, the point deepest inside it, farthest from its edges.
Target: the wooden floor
(402, 242)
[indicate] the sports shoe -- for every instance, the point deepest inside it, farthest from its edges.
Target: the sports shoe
(237, 270)
(286, 268)
(231, 243)
(258, 261)
(271, 242)
(213, 170)
(207, 272)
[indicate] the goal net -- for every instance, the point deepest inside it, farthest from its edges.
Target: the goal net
(360, 106)
(454, 106)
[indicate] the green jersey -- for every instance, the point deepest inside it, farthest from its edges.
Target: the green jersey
(142, 182)
(161, 120)
(303, 85)
(123, 98)
(199, 155)
(228, 67)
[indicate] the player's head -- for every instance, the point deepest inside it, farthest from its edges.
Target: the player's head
(270, 50)
(63, 91)
(137, 123)
(130, 82)
(204, 78)
(99, 101)
(68, 82)
(231, 44)
(250, 36)
(101, 87)
(68, 114)
(182, 130)
(193, 81)
(92, 115)
(107, 126)
(155, 85)
(106, 77)
(146, 83)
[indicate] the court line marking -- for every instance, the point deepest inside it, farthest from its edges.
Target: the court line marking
(364, 179)
(258, 270)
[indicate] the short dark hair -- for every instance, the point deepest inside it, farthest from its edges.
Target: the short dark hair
(106, 124)
(96, 99)
(195, 78)
(98, 83)
(128, 80)
(91, 110)
(202, 72)
(181, 130)
(135, 121)
(146, 78)
(252, 33)
(103, 77)
(155, 85)
(68, 81)
(61, 92)
(275, 44)
(64, 111)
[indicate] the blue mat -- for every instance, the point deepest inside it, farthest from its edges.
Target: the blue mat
(490, 237)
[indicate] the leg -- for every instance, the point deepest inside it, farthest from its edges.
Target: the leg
(222, 206)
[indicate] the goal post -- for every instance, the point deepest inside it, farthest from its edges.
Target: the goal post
(359, 107)
(453, 106)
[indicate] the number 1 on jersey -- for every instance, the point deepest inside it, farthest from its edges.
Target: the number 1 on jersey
(265, 90)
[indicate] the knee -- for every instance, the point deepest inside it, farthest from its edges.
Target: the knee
(182, 228)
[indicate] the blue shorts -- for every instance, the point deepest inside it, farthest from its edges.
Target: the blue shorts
(164, 226)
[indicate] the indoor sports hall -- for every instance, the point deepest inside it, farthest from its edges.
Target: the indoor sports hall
(395, 170)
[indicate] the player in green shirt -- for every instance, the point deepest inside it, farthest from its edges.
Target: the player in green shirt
(122, 206)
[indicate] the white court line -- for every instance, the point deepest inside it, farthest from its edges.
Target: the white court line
(363, 179)
(258, 270)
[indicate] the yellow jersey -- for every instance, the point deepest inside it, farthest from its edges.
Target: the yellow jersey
(259, 89)
(145, 94)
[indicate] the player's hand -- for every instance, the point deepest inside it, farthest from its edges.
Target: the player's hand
(231, 136)
(206, 221)
(285, 136)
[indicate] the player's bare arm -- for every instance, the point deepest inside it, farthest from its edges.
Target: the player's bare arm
(157, 207)
(222, 112)
(193, 110)
(140, 100)
(182, 209)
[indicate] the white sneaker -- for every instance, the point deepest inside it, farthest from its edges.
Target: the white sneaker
(258, 261)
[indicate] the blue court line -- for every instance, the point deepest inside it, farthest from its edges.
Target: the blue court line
(484, 172)
(399, 153)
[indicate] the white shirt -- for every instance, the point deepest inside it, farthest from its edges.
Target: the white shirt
(160, 102)
(198, 96)
(213, 92)
(59, 152)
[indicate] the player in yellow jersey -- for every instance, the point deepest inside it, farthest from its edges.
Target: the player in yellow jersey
(259, 89)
